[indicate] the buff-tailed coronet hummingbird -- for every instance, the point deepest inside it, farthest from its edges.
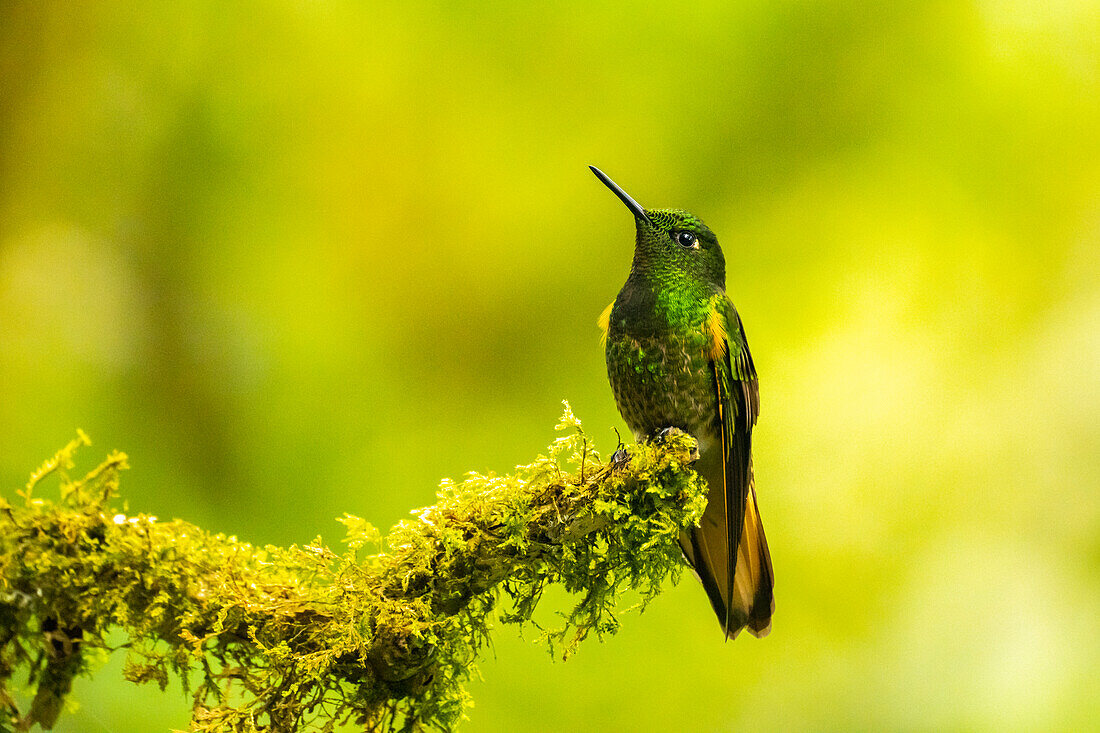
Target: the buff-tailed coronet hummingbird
(677, 357)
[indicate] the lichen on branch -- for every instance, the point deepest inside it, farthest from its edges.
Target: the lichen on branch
(382, 632)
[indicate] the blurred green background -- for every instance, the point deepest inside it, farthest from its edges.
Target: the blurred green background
(302, 258)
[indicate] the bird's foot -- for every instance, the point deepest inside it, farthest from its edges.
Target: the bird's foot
(664, 434)
(619, 458)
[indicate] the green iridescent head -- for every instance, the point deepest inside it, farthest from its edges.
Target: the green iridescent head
(671, 241)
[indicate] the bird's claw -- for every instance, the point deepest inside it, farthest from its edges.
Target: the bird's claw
(664, 434)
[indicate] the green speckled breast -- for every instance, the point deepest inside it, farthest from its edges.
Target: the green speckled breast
(662, 380)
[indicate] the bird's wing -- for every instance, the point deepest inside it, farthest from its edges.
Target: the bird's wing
(729, 550)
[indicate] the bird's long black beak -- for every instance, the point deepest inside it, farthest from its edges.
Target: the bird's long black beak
(634, 206)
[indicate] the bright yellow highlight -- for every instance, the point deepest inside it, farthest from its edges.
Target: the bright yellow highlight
(716, 330)
(604, 322)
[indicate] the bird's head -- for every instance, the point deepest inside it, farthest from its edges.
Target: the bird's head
(672, 241)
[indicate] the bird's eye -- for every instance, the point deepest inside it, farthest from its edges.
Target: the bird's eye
(685, 239)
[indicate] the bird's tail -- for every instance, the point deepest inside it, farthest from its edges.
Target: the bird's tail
(750, 603)
(753, 603)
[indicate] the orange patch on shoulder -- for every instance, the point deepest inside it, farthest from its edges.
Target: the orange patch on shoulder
(716, 330)
(604, 322)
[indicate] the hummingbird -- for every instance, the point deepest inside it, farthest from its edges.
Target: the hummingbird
(677, 357)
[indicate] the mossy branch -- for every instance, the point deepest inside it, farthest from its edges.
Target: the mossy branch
(383, 633)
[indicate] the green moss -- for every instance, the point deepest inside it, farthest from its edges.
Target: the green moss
(383, 632)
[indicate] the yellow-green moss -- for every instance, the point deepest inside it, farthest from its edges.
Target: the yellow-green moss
(384, 632)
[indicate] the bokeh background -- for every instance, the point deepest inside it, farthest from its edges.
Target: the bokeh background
(306, 258)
